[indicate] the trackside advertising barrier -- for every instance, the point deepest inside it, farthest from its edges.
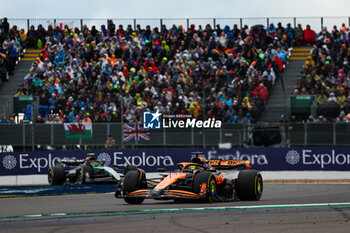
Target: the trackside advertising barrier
(264, 159)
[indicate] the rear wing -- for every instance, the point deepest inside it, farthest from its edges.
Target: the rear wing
(71, 162)
(229, 164)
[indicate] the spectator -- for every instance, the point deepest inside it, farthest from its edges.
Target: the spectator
(110, 142)
(5, 26)
(290, 32)
(4, 120)
(332, 97)
(37, 81)
(321, 119)
(12, 120)
(44, 105)
(39, 120)
(28, 113)
(272, 30)
(310, 119)
(23, 36)
(86, 119)
(309, 35)
(32, 37)
(299, 37)
(49, 120)
(77, 119)
(3, 69)
(322, 98)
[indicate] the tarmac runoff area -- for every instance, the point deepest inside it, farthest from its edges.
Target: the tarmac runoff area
(308, 207)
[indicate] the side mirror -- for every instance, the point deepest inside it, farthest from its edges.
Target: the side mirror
(160, 169)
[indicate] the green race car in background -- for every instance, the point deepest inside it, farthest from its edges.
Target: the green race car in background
(85, 171)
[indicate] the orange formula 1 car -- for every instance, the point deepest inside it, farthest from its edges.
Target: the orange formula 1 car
(200, 179)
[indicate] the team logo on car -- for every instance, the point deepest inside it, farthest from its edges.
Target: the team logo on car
(104, 157)
(152, 120)
(292, 157)
(9, 162)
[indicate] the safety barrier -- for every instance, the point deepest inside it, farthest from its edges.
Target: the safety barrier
(264, 159)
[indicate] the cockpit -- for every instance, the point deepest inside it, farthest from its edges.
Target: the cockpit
(189, 167)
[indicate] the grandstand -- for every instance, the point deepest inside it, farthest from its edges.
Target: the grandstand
(78, 71)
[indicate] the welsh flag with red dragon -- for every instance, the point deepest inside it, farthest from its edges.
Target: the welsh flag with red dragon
(78, 130)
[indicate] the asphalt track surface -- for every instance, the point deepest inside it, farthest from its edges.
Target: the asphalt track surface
(281, 209)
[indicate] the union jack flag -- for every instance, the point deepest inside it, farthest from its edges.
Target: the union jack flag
(135, 132)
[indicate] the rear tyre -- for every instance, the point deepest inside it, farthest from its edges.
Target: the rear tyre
(84, 174)
(134, 180)
(249, 185)
(56, 176)
(207, 180)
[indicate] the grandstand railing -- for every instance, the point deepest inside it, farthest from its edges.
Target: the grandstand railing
(316, 23)
(239, 135)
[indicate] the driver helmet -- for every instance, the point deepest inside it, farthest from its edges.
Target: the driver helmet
(90, 159)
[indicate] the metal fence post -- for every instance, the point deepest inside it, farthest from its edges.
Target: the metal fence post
(24, 136)
(321, 23)
(54, 23)
(161, 24)
(305, 134)
(349, 21)
(33, 143)
(164, 137)
(192, 137)
(28, 25)
(108, 130)
(7, 108)
(241, 22)
(295, 22)
(188, 23)
(10, 106)
(334, 135)
(134, 24)
(81, 24)
(268, 22)
(122, 133)
(52, 134)
(214, 22)
(244, 138)
(203, 138)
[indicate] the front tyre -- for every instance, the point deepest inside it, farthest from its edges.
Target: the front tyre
(249, 185)
(84, 174)
(134, 180)
(56, 176)
(204, 184)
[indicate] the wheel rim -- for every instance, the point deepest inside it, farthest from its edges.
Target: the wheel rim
(259, 186)
(212, 188)
(80, 177)
(50, 176)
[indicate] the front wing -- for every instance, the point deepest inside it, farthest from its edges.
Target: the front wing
(168, 194)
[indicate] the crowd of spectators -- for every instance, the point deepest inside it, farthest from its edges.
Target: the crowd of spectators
(98, 75)
(92, 75)
(326, 73)
(11, 46)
